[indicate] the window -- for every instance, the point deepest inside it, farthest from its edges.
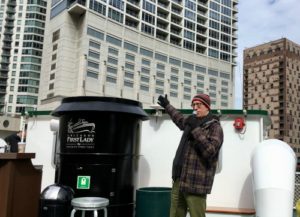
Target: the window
(213, 43)
(189, 35)
(148, 18)
(128, 83)
(112, 60)
(111, 80)
(117, 4)
(54, 56)
(214, 34)
(188, 45)
(187, 89)
(52, 76)
(94, 45)
(94, 55)
(214, 6)
(174, 61)
(213, 53)
(95, 33)
(214, 15)
(212, 80)
(159, 83)
(93, 65)
(145, 79)
(160, 66)
(111, 70)
(146, 62)
(224, 75)
(226, 11)
(129, 74)
(174, 86)
(188, 74)
(173, 94)
(130, 57)
(92, 74)
(186, 81)
(113, 51)
(115, 15)
(190, 25)
(148, 6)
(159, 91)
(53, 66)
(54, 47)
(98, 7)
(131, 47)
(161, 57)
(147, 29)
(51, 86)
(144, 88)
(188, 65)
(174, 78)
(160, 74)
(200, 77)
(213, 72)
(114, 40)
(55, 36)
(190, 15)
(146, 52)
(10, 99)
(214, 25)
(201, 69)
(191, 5)
(225, 83)
(145, 71)
(129, 66)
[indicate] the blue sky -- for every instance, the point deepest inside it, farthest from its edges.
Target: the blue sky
(261, 21)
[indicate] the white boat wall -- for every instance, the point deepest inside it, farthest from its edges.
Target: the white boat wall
(232, 194)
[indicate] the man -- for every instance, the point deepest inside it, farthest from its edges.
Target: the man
(13, 140)
(195, 162)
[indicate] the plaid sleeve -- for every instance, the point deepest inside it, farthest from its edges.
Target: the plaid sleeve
(208, 143)
(176, 116)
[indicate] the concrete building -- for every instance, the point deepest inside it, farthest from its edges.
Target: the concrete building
(139, 49)
(271, 82)
(22, 26)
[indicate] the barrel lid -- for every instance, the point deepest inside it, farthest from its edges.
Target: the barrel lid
(101, 104)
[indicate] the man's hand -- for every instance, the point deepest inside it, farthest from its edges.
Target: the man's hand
(192, 121)
(163, 101)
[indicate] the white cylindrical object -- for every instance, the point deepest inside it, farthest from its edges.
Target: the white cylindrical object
(273, 165)
(54, 125)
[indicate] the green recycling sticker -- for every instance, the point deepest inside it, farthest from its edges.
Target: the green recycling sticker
(83, 182)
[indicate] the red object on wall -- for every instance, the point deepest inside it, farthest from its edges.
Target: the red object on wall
(239, 123)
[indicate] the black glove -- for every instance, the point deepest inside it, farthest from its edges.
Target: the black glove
(163, 101)
(192, 121)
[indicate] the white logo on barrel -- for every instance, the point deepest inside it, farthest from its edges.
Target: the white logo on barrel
(81, 134)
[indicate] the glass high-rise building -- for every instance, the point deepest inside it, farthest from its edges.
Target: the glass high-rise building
(139, 49)
(22, 24)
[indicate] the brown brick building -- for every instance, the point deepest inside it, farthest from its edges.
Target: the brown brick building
(272, 83)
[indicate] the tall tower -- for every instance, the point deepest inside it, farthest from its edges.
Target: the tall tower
(22, 26)
(139, 49)
(271, 82)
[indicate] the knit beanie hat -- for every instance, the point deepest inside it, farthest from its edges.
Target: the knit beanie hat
(204, 98)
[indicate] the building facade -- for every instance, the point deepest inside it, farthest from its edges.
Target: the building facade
(139, 49)
(22, 24)
(272, 83)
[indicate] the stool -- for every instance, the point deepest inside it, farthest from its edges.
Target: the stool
(89, 204)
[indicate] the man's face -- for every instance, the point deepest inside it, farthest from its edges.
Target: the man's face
(200, 109)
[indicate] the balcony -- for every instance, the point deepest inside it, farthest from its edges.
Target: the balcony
(77, 7)
(12, 3)
(136, 3)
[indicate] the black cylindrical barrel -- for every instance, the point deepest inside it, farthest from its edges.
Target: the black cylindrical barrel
(98, 149)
